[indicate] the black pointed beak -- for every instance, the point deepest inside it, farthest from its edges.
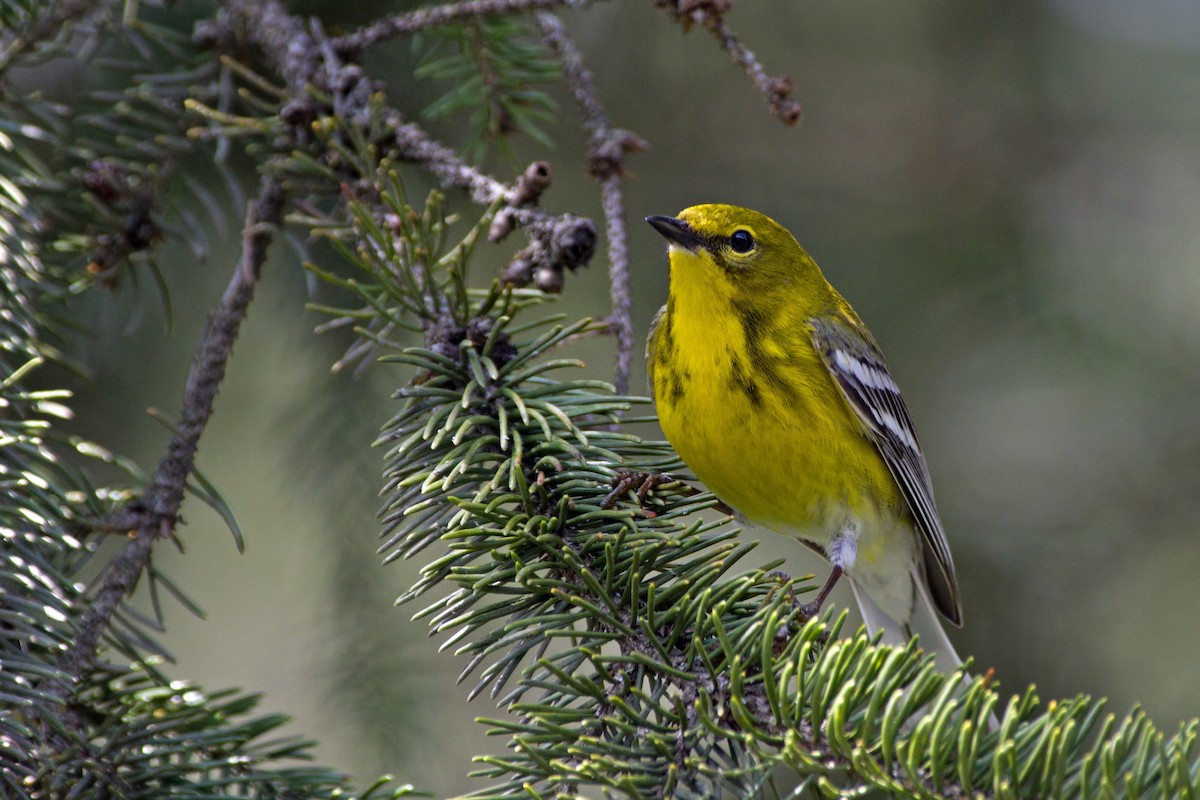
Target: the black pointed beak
(676, 231)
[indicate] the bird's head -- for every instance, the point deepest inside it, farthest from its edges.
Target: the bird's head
(735, 251)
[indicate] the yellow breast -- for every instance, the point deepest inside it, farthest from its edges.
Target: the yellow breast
(750, 407)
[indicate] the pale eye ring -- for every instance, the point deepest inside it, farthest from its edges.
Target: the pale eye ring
(741, 241)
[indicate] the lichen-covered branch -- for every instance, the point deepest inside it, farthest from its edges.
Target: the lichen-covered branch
(607, 148)
(310, 65)
(711, 14)
(431, 16)
(155, 514)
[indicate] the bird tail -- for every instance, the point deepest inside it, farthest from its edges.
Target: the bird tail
(923, 622)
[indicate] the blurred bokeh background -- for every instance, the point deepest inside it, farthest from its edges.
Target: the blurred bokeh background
(1009, 193)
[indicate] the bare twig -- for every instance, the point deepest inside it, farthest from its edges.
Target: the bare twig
(432, 16)
(305, 60)
(607, 148)
(711, 14)
(154, 516)
(619, 284)
(414, 144)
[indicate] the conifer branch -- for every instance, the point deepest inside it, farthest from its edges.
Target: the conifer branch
(607, 148)
(307, 60)
(432, 16)
(154, 516)
(57, 16)
(635, 654)
(711, 14)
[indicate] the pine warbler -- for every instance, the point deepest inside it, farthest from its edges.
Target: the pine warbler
(776, 396)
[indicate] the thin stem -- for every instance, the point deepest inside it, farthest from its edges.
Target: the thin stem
(711, 14)
(432, 16)
(607, 148)
(414, 144)
(613, 201)
(155, 514)
(306, 60)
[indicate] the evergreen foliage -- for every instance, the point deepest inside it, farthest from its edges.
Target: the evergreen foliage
(636, 645)
(86, 193)
(494, 67)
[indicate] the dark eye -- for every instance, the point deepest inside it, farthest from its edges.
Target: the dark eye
(741, 241)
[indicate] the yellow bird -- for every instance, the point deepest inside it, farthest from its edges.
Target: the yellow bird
(776, 396)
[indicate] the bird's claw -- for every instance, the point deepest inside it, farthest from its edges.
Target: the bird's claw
(643, 482)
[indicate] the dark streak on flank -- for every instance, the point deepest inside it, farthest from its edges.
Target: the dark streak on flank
(741, 379)
(678, 386)
(665, 343)
(754, 329)
(670, 377)
(666, 356)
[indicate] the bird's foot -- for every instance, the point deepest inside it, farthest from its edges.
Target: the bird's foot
(813, 609)
(646, 482)
(808, 611)
(642, 482)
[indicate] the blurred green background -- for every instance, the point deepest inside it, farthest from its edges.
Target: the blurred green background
(1009, 193)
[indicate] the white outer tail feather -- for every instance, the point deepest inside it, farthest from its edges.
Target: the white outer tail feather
(924, 622)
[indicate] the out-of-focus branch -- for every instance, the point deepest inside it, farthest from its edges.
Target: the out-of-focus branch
(711, 14)
(46, 26)
(607, 148)
(154, 515)
(306, 60)
(431, 16)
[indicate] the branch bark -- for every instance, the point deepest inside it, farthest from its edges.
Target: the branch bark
(432, 16)
(711, 14)
(305, 59)
(155, 514)
(607, 148)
